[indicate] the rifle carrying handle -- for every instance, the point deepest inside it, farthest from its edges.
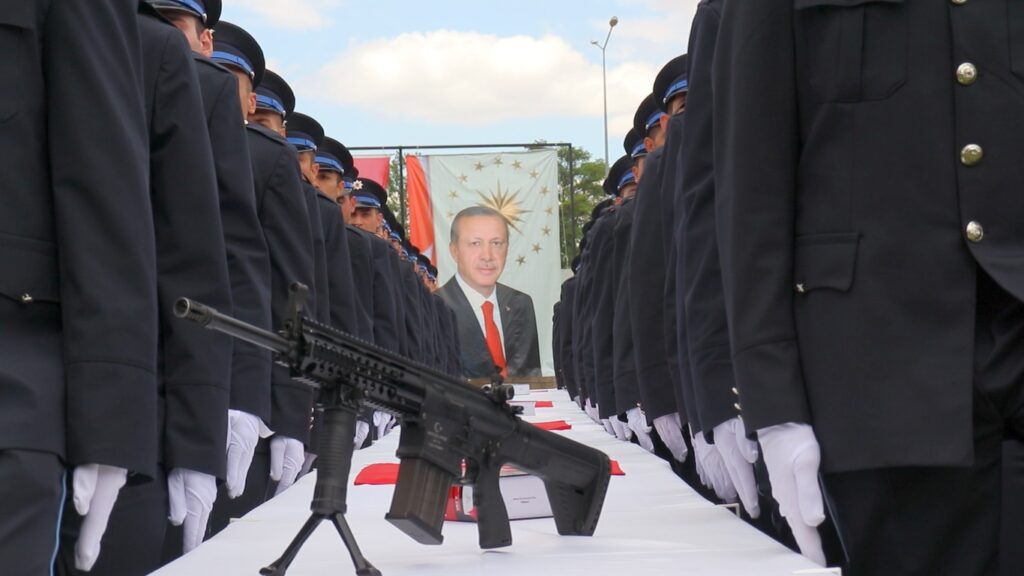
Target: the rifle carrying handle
(491, 515)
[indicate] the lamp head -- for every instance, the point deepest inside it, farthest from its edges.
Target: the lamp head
(613, 21)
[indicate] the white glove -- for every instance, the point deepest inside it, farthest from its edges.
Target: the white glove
(715, 475)
(592, 412)
(381, 420)
(95, 487)
(739, 454)
(670, 429)
(607, 426)
(619, 429)
(286, 458)
(792, 456)
(576, 401)
(244, 431)
(637, 422)
(191, 495)
(362, 431)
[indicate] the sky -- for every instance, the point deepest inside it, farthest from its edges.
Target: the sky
(390, 72)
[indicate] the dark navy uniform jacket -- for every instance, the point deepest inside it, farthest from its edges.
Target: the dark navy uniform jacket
(858, 214)
(361, 261)
(281, 207)
(602, 319)
(387, 325)
(341, 301)
(194, 364)
(247, 256)
(627, 388)
(646, 277)
(78, 305)
(318, 301)
(702, 328)
(565, 338)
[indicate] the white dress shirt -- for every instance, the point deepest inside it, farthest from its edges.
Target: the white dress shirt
(476, 302)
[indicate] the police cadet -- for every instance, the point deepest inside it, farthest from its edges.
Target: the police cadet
(305, 134)
(394, 239)
(582, 314)
(330, 158)
(624, 378)
(284, 219)
(619, 183)
(657, 377)
(871, 248)
(194, 366)
(597, 331)
(700, 315)
(566, 377)
(79, 338)
(247, 257)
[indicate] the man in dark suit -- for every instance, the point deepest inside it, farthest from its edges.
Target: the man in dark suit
(507, 344)
(873, 268)
(78, 301)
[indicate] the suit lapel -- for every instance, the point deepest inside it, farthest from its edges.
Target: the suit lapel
(472, 340)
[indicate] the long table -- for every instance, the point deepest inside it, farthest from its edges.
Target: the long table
(652, 524)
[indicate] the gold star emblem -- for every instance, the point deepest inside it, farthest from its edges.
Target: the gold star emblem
(463, 178)
(549, 210)
(478, 166)
(521, 260)
(536, 248)
(545, 190)
(453, 194)
(534, 174)
(517, 165)
(498, 161)
(546, 230)
(505, 203)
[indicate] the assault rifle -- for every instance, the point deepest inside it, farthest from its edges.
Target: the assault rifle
(451, 432)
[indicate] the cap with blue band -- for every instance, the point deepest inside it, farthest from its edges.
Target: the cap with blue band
(274, 104)
(681, 85)
(239, 61)
(328, 162)
(367, 201)
(627, 179)
(303, 144)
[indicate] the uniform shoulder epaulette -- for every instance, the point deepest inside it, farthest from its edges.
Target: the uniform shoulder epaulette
(266, 132)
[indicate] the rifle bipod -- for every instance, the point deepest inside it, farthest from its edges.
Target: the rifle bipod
(333, 466)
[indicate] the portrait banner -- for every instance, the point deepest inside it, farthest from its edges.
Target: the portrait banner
(523, 188)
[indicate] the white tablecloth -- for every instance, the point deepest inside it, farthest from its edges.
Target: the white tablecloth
(652, 524)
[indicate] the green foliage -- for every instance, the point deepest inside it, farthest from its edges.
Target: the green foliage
(580, 187)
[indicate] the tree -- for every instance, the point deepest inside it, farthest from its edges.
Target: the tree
(396, 181)
(580, 185)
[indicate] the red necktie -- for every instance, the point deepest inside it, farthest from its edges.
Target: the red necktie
(494, 339)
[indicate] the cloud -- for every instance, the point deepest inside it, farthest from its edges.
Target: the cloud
(475, 79)
(289, 14)
(661, 35)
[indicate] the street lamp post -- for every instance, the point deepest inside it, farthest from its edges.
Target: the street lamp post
(604, 83)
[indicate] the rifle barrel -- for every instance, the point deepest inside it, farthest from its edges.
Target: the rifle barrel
(210, 319)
